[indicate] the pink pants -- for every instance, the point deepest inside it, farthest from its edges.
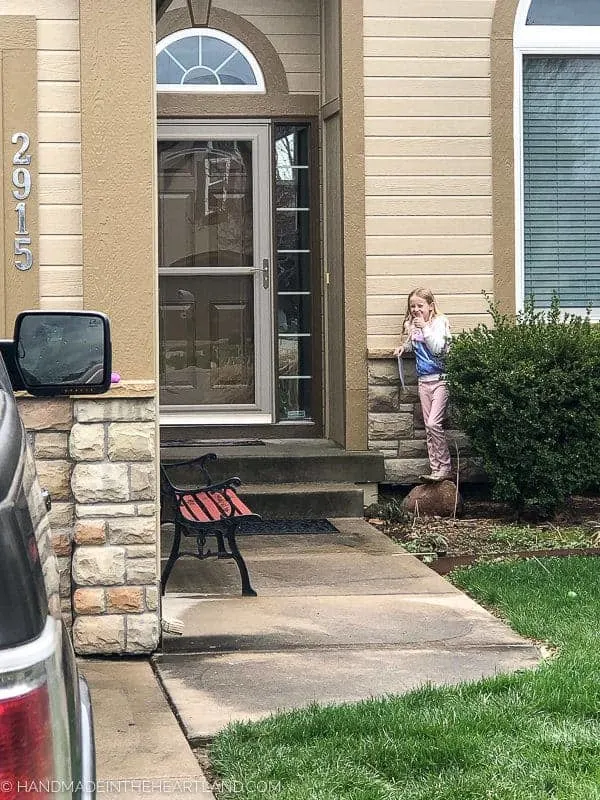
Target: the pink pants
(434, 399)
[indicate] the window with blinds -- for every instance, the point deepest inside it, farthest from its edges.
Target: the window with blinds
(561, 172)
(559, 12)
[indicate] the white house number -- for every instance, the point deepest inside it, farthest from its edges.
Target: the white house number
(21, 179)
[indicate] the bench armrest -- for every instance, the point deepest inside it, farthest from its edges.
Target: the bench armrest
(199, 462)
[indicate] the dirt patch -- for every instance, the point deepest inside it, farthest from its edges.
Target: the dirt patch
(202, 753)
(488, 528)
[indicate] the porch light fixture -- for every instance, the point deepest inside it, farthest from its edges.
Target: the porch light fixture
(206, 60)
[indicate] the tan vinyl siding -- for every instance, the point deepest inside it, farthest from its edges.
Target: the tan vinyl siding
(60, 250)
(61, 219)
(434, 9)
(445, 284)
(59, 128)
(58, 34)
(382, 165)
(60, 303)
(430, 225)
(442, 267)
(427, 126)
(60, 281)
(382, 46)
(60, 189)
(42, 9)
(293, 29)
(59, 151)
(427, 87)
(441, 185)
(436, 146)
(58, 65)
(427, 67)
(58, 157)
(59, 148)
(58, 96)
(384, 305)
(428, 159)
(427, 28)
(378, 326)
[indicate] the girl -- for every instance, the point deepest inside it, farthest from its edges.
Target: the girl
(426, 333)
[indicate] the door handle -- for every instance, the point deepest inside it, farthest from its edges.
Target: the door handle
(266, 273)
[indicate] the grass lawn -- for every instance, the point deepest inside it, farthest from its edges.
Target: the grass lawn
(527, 736)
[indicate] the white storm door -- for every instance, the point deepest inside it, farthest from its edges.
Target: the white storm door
(215, 296)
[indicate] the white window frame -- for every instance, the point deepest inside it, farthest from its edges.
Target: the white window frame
(258, 88)
(539, 40)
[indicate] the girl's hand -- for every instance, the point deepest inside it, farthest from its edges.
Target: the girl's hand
(419, 322)
(399, 350)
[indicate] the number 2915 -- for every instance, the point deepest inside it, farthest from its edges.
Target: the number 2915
(21, 180)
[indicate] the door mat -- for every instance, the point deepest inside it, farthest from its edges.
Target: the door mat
(281, 526)
(208, 443)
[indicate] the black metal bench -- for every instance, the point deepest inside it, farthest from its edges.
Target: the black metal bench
(209, 509)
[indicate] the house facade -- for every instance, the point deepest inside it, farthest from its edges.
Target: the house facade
(250, 189)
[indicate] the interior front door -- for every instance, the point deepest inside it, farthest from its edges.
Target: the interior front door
(214, 273)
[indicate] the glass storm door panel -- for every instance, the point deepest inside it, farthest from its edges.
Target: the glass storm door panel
(214, 273)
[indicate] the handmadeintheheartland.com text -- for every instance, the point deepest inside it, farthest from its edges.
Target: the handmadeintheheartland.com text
(142, 786)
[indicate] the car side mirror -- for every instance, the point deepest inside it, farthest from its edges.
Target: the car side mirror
(62, 352)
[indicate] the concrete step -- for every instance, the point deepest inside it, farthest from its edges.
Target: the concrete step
(304, 500)
(299, 500)
(278, 461)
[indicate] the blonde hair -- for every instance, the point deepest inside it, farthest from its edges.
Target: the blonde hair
(424, 294)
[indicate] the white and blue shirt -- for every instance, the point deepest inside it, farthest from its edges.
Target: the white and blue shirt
(429, 345)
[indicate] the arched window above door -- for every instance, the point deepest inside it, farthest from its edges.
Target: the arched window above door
(206, 60)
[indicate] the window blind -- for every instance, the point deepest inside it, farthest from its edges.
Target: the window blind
(559, 12)
(561, 166)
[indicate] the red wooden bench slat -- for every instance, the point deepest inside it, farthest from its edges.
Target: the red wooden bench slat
(212, 509)
(192, 510)
(212, 506)
(222, 503)
(241, 509)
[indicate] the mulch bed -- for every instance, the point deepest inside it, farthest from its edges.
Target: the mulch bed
(446, 543)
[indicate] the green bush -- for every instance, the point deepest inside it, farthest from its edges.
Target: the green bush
(527, 393)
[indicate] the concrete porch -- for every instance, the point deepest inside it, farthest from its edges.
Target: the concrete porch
(339, 617)
(288, 478)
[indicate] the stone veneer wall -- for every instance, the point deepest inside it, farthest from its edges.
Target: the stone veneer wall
(97, 457)
(396, 426)
(48, 423)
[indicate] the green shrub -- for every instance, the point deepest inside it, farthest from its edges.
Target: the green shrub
(527, 393)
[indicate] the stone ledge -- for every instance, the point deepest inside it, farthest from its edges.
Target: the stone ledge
(406, 471)
(125, 389)
(117, 390)
(380, 354)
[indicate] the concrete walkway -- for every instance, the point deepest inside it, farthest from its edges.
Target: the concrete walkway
(339, 617)
(141, 752)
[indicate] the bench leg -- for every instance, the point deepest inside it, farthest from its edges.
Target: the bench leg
(247, 590)
(221, 550)
(173, 556)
